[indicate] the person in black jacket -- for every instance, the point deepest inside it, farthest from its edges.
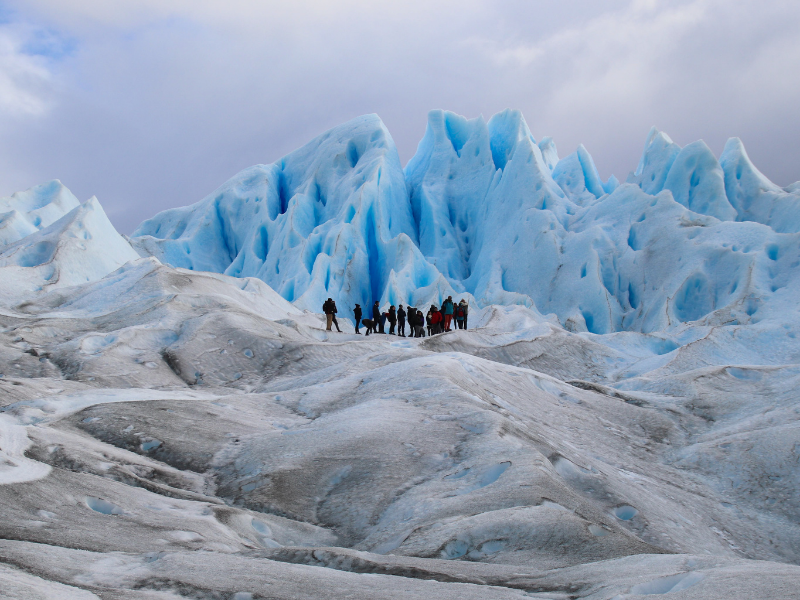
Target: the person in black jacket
(333, 317)
(370, 325)
(378, 318)
(401, 321)
(376, 312)
(329, 308)
(357, 315)
(391, 316)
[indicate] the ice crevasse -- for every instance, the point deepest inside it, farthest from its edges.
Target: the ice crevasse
(485, 212)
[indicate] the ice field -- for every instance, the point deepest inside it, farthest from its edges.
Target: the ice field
(620, 421)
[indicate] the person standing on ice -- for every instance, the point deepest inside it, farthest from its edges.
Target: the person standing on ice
(392, 318)
(333, 317)
(329, 308)
(447, 309)
(384, 316)
(376, 316)
(401, 321)
(420, 324)
(461, 314)
(436, 320)
(357, 315)
(411, 315)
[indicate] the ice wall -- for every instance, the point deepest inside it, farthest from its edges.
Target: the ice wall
(485, 212)
(330, 219)
(519, 223)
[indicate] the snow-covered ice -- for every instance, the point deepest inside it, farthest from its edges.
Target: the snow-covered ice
(620, 420)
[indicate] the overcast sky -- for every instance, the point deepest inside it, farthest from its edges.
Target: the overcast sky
(153, 104)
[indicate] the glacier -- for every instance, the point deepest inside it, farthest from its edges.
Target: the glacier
(620, 421)
(483, 211)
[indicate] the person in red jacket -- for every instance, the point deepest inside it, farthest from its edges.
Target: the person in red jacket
(436, 321)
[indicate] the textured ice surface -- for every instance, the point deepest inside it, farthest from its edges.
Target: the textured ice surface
(619, 421)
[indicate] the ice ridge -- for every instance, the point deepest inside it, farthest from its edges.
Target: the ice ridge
(25, 212)
(82, 246)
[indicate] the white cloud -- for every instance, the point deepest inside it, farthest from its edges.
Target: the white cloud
(620, 56)
(24, 79)
(697, 68)
(159, 101)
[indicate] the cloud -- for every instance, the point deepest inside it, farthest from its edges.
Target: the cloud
(24, 79)
(153, 103)
(697, 68)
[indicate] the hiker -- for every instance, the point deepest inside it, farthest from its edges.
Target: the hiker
(329, 308)
(462, 310)
(357, 315)
(401, 321)
(436, 320)
(384, 316)
(440, 324)
(370, 325)
(392, 317)
(376, 316)
(429, 322)
(333, 317)
(420, 324)
(447, 309)
(411, 315)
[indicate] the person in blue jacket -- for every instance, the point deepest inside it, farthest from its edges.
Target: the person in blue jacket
(447, 310)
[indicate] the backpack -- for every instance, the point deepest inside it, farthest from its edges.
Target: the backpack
(460, 312)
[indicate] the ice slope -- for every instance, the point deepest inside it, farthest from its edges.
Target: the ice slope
(330, 219)
(449, 425)
(483, 211)
(80, 246)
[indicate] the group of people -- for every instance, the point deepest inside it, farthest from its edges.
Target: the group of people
(437, 320)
